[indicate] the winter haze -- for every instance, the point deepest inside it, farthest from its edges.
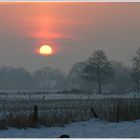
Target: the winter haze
(69, 70)
(74, 30)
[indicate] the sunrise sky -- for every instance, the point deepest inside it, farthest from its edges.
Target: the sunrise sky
(73, 30)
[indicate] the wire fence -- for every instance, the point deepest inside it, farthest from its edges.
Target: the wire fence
(28, 113)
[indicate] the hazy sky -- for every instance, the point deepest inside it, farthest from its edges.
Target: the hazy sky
(74, 30)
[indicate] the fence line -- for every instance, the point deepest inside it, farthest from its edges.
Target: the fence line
(56, 112)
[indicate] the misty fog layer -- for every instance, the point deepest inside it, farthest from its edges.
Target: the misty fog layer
(54, 79)
(73, 29)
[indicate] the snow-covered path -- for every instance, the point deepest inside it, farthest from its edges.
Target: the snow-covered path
(88, 129)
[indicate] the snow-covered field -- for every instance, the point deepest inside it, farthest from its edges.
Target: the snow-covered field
(89, 129)
(52, 96)
(57, 95)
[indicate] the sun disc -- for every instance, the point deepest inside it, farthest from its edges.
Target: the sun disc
(45, 50)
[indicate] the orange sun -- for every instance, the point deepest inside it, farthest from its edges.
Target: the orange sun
(46, 50)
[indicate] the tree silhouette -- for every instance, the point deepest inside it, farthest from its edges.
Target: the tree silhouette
(136, 69)
(98, 69)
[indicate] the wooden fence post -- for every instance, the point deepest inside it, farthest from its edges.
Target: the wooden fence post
(35, 113)
(118, 113)
(94, 113)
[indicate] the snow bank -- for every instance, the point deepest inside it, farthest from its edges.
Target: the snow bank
(88, 129)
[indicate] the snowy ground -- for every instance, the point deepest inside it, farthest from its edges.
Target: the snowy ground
(88, 129)
(16, 96)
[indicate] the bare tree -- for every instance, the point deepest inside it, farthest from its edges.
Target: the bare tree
(122, 81)
(49, 78)
(98, 69)
(136, 69)
(15, 78)
(74, 79)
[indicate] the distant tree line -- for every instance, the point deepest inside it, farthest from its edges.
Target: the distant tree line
(97, 74)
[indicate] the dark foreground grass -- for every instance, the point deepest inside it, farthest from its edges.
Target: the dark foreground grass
(20, 114)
